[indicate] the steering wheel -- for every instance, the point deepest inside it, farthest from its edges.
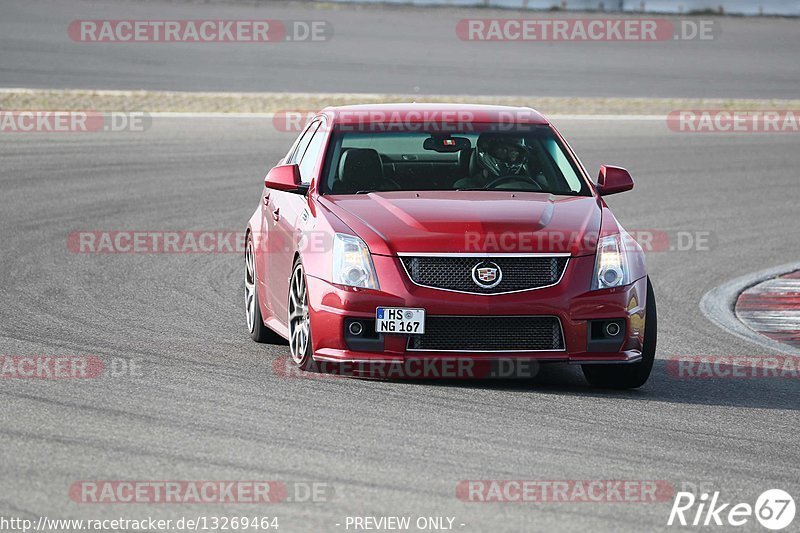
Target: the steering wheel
(503, 179)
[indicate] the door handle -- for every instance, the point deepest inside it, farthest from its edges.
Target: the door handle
(266, 199)
(276, 215)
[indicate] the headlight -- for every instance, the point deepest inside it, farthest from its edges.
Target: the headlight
(611, 264)
(352, 264)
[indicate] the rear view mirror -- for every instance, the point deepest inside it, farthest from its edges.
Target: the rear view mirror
(283, 178)
(446, 145)
(613, 180)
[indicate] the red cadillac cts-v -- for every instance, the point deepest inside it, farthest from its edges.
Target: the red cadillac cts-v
(429, 232)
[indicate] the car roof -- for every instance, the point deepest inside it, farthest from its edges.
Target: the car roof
(426, 112)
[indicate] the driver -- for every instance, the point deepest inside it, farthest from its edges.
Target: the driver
(502, 156)
(496, 156)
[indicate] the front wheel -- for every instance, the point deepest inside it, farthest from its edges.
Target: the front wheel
(633, 375)
(299, 322)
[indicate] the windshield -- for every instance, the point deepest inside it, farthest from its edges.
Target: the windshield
(533, 160)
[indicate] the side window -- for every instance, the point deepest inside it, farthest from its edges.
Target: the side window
(563, 164)
(310, 158)
(302, 144)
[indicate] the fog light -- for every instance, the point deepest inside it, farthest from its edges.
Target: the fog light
(612, 329)
(356, 328)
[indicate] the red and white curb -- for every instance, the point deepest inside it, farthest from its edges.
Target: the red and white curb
(762, 308)
(772, 308)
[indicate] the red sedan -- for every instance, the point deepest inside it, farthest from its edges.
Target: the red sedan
(436, 232)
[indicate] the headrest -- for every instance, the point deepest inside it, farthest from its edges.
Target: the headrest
(360, 166)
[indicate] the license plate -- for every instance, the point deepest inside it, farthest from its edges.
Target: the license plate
(400, 320)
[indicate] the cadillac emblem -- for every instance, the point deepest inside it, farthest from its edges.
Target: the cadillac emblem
(487, 274)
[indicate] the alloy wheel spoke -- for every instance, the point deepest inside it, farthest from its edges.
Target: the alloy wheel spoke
(298, 316)
(249, 262)
(303, 337)
(249, 288)
(296, 288)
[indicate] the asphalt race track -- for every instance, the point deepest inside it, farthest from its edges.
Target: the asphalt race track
(206, 403)
(395, 50)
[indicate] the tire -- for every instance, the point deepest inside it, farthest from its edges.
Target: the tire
(633, 375)
(299, 322)
(254, 321)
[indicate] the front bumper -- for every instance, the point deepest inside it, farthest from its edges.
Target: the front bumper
(330, 306)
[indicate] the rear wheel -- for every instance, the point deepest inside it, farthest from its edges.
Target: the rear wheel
(630, 376)
(255, 323)
(299, 323)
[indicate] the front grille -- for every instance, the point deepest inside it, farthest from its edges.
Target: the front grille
(489, 334)
(455, 273)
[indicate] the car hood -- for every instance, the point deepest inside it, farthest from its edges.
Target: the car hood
(470, 221)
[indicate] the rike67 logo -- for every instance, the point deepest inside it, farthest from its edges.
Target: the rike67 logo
(774, 509)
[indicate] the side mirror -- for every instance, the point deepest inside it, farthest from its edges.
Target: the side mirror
(613, 180)
(283, 178)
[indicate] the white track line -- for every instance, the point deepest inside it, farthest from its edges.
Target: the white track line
(169, 114)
